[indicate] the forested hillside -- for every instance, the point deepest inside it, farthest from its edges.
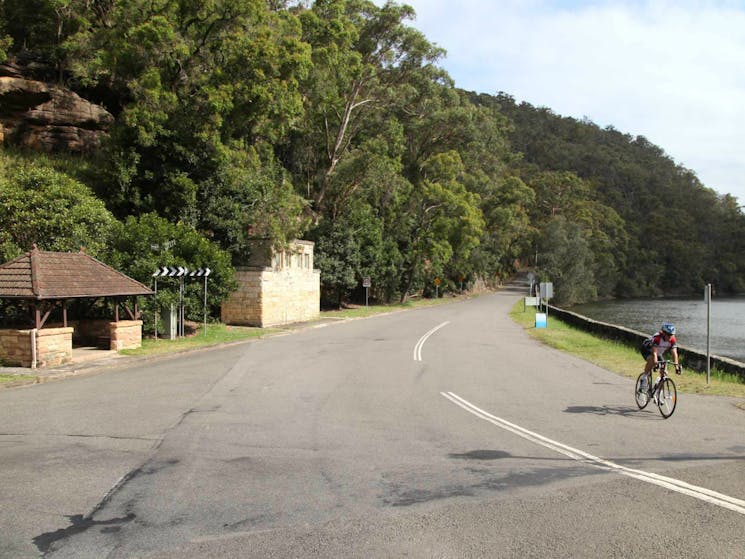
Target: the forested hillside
(333, 121)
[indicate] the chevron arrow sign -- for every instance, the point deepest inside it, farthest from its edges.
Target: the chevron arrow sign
(171, 271)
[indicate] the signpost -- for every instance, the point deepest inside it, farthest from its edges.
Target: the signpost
(181, 273)
(531, 279)
(437, 288)
(199, 273)
(707, 299)
(546, 290)
(366, 283)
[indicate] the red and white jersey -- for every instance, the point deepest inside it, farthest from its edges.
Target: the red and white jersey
(661, 345)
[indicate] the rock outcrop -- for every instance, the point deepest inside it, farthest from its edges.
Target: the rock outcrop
(42, 116)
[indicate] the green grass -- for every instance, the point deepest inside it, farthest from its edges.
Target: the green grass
(618, 357)
(216, 334)
(4, 379)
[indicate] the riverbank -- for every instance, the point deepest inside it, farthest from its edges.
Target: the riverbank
(690, 357)
(619, 356)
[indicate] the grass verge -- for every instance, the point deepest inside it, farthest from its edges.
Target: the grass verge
(5, 379)
(216, 334)
(618, 357)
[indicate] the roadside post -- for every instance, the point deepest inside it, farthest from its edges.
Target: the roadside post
(707, 299)
(366, 283)
(155, 302)
(546, 290)
(437, 288)
(181, 274)
(199, 273)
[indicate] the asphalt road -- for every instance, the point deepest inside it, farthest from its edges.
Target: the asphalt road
(441, 432)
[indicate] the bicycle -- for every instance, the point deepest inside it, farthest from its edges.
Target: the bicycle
(663, 392)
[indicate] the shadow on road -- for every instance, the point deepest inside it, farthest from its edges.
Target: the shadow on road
(610, 410)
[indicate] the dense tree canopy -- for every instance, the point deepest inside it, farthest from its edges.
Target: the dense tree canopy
(331, 120)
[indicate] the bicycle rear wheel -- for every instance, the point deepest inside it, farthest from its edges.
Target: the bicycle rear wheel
(667, 397)
(642, 396)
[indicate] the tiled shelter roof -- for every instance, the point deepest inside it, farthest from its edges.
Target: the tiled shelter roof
(43, 275)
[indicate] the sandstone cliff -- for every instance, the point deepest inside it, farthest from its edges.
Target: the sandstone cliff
(43, 116)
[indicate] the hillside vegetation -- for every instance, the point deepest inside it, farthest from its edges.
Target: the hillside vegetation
(332, 121)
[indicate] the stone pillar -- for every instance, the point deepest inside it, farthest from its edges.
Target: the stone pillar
(125, 334)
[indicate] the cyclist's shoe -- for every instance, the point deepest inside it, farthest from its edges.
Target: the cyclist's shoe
(644, 384)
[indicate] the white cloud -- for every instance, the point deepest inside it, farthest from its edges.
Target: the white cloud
(671, 71)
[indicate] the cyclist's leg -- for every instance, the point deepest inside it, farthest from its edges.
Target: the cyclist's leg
(641, 393)
(648, 366)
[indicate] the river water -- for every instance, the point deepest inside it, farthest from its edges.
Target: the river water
(727, 332)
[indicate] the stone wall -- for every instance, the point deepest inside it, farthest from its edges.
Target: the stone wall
(53, 347)
(125, 334)
(267, 297)
(15, 348)
(690, 358)
(88, 332)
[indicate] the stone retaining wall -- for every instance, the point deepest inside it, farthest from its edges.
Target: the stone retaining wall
(690, 358)
(53, 347)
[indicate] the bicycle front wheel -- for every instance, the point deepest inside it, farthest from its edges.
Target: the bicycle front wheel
(642, 396)
(667, 397)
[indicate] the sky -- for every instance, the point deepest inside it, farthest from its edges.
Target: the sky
(671, 71)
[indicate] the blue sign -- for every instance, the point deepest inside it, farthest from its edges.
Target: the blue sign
(540, 320)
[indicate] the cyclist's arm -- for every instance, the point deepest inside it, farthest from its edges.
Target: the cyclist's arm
(674, 352)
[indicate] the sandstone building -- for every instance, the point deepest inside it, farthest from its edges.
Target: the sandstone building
(277, 287)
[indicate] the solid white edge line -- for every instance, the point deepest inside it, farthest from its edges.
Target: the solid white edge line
(420, 343)
(702, 493)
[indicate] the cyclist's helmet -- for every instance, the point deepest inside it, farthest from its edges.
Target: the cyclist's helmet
(668, 328)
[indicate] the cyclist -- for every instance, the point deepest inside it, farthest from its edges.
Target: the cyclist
(653, 349)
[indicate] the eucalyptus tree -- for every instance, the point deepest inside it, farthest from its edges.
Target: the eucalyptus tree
(444, 223)
(564, 194)
(364, 58)
(567, 261)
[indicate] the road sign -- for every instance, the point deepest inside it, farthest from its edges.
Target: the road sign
(366, 282)
(547, 290)
(437, 281)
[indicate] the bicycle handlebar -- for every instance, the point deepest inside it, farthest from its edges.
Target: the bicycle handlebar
(666, 362)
